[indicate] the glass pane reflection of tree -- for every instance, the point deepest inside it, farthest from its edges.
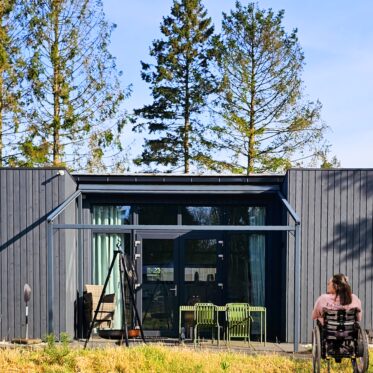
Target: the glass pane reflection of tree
(200, 271)
(202, 215)
(246, 277)
(223, 215)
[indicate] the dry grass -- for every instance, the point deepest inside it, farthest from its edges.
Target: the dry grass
(153, 359)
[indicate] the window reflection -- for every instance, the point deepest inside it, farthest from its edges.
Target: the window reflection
(200, 260)
(202, 215)
(158, 276)
(246, 215)
(158, 260)
(246, 277)
(223, 215)
(191, 215)
(200, 282)
(111, 215)
(157, 215)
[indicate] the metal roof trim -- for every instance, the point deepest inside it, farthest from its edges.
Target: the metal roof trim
(201, 189)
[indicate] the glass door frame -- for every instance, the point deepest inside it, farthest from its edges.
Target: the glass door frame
(179, 238)
(138, 256)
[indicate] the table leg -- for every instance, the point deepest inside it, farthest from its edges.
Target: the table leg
(265, 327)
(250, 320)
(179, 323)
(261, 327)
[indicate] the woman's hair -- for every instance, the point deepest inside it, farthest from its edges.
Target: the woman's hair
(342, 289)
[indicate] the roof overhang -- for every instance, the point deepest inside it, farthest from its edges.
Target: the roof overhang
(177, 189)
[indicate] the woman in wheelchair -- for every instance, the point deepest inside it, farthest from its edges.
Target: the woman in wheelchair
(338, 297)
(338, 333)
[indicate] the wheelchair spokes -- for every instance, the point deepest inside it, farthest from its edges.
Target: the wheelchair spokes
(361, 363)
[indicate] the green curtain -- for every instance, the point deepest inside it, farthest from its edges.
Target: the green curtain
(257, 257)
(103, 252)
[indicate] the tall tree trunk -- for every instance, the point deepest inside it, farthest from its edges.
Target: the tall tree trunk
(251, 152)
(186, 121)
(186, 144)
(56, 86)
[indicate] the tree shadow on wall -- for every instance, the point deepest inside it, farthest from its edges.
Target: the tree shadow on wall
(353, 238)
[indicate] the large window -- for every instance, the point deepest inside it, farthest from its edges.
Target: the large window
(103, 247)
(246, 277)
(103, 252)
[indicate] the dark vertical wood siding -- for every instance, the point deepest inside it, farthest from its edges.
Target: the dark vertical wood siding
(336, 208)
(27, 197)
(69, 275)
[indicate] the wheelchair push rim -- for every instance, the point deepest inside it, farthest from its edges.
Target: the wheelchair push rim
(361, 363)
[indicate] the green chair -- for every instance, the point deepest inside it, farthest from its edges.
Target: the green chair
(205, 316)
(238, 321)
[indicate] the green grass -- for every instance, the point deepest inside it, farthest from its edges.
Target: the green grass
(154, 358)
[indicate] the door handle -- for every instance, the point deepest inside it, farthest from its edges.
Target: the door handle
(220, 285)
(175, 290)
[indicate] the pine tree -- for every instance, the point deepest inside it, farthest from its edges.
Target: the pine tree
(13, 95)
(267, 120)
(74, 80)
(181, 83)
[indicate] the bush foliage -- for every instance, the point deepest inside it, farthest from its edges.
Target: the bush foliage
(155, 359)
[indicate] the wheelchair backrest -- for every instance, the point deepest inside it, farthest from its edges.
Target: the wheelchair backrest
(340, 316)
(340, 324)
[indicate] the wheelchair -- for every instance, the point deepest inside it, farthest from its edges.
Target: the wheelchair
(340, 337)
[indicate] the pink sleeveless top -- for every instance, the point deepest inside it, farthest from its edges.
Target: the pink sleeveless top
(328, 301)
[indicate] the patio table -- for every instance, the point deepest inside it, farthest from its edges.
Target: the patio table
(252, 309)
(263, 318)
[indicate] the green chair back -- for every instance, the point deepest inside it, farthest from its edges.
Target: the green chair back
(205, 314)
(238, 320)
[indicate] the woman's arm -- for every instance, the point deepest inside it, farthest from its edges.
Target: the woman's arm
(318, 308)
(356, 303)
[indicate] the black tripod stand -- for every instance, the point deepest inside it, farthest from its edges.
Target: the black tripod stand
(124, 276)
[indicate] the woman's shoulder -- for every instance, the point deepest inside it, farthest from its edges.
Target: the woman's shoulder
(355, 299)
(326, 296)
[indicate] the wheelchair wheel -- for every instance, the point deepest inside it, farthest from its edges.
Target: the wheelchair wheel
(361, 363)
(316, 349)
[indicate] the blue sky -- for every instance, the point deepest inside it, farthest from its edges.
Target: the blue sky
(337, 40)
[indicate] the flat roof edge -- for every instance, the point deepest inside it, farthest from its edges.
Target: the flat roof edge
(178, 179)
(192, 189)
